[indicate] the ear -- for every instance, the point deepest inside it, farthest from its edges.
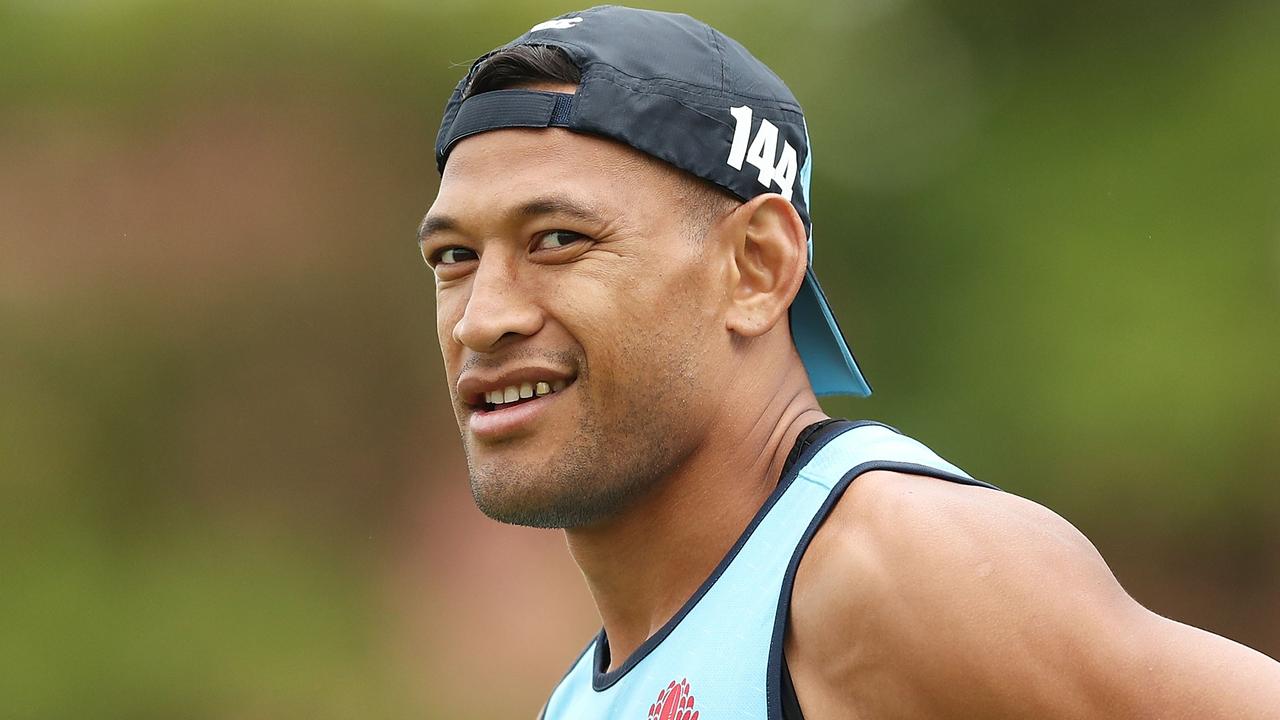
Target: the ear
(770, 256)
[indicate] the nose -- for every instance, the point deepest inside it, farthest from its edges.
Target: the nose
(498, 310)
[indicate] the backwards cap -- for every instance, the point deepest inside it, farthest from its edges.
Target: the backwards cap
(679, 90)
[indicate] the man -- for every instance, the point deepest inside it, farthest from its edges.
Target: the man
(634, 343)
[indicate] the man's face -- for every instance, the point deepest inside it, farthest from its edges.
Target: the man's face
(567, 263)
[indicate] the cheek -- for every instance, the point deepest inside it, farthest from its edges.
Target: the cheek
(647, 326)
(679, 301)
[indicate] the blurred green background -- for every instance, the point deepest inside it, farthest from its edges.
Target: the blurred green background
(232, 485)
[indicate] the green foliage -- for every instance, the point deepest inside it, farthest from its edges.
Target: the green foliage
(1050, 231)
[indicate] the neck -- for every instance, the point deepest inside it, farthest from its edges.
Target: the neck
(644, 564)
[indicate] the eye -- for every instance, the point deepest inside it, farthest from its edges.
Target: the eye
(452, 256)
(556, 239)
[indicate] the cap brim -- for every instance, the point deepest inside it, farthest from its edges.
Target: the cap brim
(831, 367)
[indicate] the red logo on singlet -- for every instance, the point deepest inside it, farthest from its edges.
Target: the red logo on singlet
(674, 703)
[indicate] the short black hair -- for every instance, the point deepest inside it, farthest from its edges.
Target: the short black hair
(524, 65)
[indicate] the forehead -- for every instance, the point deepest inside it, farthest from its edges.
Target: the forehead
(503, 167)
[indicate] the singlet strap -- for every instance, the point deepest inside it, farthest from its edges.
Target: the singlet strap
(783, 703)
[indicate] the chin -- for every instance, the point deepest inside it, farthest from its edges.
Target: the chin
(568, 495)
(578, 472)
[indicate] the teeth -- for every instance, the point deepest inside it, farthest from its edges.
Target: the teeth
(523, 391)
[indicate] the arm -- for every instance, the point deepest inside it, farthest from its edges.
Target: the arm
(920, 598)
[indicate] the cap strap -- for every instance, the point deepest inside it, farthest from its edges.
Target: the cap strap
(508, 109)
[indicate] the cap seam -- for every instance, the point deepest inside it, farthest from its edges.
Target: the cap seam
(779, 105)
(688, 93)
(592, 65)
(724, 69)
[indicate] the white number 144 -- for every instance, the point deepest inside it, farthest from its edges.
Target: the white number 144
(762, 151)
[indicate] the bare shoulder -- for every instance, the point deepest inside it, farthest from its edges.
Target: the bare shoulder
(914, 528)
(921, 597)
(925, 541)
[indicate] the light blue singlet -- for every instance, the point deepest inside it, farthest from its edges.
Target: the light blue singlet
(720, 657)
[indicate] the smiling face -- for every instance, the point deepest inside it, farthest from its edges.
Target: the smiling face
(581, 319)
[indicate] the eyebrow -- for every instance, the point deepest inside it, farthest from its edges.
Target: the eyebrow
(433, 224)
(547, 205)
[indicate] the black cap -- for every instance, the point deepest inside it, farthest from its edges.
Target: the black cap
(679, 90)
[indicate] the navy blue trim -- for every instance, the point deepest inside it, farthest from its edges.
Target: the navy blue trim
(790, 703)
(542, 714)
(603, 679)
(773, 679)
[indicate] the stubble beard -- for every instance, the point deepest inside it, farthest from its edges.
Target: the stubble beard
(604, 468)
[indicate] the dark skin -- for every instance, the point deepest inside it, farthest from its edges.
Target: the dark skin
(502, 306)
(567, 255)
(926, 599)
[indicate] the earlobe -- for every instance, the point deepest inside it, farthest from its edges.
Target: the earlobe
(770, 256)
